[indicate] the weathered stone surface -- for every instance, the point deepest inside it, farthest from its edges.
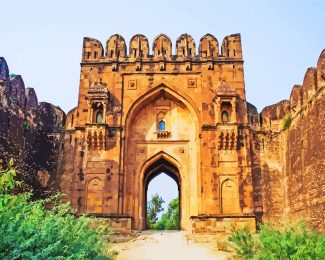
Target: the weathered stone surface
(221, 224)
(29, 132)
(17, 90)
(31, 98)
(4, 71)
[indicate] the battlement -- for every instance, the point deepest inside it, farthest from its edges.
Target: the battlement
(301, 97)
(139, 49)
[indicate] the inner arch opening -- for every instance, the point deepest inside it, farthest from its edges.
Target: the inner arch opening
(158, 174)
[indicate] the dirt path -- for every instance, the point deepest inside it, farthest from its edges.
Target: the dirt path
(167, 245)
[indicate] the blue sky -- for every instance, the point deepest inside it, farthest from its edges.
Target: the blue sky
(42, 40)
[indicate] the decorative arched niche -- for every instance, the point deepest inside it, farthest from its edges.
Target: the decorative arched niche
(229, 197)
(161, 121)
(225, 117)
(98, 113)
(94, 201)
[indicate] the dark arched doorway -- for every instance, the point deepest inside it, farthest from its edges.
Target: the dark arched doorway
(159, 167)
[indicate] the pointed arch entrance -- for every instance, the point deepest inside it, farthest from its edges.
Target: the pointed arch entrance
(152, 145)
(148, 171)
(156, 168)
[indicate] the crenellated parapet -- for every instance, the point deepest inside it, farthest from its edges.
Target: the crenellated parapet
(302, 97)
(162, 47)
(139, 49)
(115, 47)
(231, 47)
(209, 47)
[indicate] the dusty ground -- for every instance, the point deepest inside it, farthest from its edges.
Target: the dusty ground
(168, 245)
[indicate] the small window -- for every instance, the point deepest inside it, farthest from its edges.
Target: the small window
(225, 116)
(95, 55)
(99, 117)
(162, 125)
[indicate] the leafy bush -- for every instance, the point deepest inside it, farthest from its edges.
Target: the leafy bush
(291, 242)
(30, 231)
(287, 122)
(246, 244)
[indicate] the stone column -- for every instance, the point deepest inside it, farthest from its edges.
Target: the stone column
(90, 112)
(104, 112)
(217, 111)
(233, 111)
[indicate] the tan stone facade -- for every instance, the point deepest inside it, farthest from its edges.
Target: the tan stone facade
(141, 113)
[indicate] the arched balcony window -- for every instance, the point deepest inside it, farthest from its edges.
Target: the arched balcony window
(98, 113)
(225, 117)
(161, 125)
(99, 117)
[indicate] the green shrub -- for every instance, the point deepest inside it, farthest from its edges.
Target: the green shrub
(291, 242)
(30, 231)
(287, 122)
(246, 244)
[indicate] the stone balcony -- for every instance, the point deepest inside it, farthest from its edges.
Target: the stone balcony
(163, 134)
(96, 135)
(229, 137)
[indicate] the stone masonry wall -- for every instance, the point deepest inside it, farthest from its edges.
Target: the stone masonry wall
(30, 132)
(288, 155)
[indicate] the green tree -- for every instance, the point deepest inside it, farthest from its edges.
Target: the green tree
(154, 207)
(170, 219)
